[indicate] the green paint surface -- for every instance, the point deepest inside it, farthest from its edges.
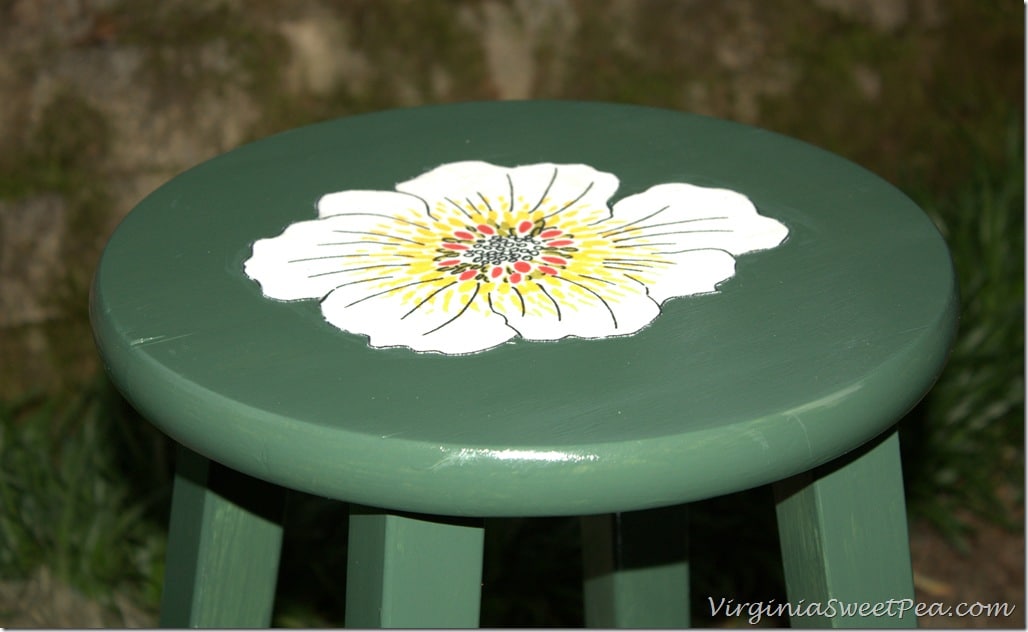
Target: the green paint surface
(412, 571)
(224, 543)
(812, 347)
(843, 533)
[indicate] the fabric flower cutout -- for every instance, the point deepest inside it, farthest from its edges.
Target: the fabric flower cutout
(470, 255)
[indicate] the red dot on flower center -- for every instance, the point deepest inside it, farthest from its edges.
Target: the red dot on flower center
(463, 234)
(522, 266)
(449, 262)
(547, 270)
(468, 274)
(550, 233)
(497, 271)
(449, 246)
(515, 277)
(559, 243)
(555, 260)
(525, 226)
(486, 229)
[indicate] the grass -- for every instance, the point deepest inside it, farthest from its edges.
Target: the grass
(66, 501)
(965, 444)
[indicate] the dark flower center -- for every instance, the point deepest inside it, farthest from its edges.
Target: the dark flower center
(498, 250)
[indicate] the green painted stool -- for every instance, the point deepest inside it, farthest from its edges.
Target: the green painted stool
(449, 313)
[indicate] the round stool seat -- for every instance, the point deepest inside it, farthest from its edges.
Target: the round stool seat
(257, 310)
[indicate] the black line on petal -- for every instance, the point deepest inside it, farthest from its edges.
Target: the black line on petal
(362, 254)
(381, 278)
(572, 202)
(625, 229)
(392, 289)
(382, 265)
(678, 252)
(586, 276)
(555, 304)
(630, 259)
(641, 219)
(510, 185)
(390, 217)
(545, 191)
(424, 202)
(484, 201)
(669, 243)
(354, 243)
(459, 208)
(640, 283)
(642, 263)
(387, 236)
(459, 314)
(520, 298)
(593, 292)
(427, 299)
(677, 232)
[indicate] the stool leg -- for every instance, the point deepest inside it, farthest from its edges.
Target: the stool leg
(843, 531)
(223, 547)
(636, 569)
(408, 571)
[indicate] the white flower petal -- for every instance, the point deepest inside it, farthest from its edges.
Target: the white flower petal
(374, 203)
(556, 307)
(544, 190)
(424, 315)
(469, 255)
(312, 258)
(678, 217)
(685, 273)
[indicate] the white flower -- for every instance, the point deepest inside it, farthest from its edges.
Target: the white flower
(470, 255)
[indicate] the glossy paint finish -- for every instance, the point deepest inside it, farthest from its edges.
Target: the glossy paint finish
(811, 349)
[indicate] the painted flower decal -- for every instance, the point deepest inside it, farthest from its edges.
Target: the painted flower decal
(469, 255)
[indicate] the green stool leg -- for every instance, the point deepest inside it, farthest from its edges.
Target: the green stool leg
(843, 531)
(223, 547)
(407, 571)
(636, 569)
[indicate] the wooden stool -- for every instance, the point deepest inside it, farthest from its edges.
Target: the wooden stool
(448, 313)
